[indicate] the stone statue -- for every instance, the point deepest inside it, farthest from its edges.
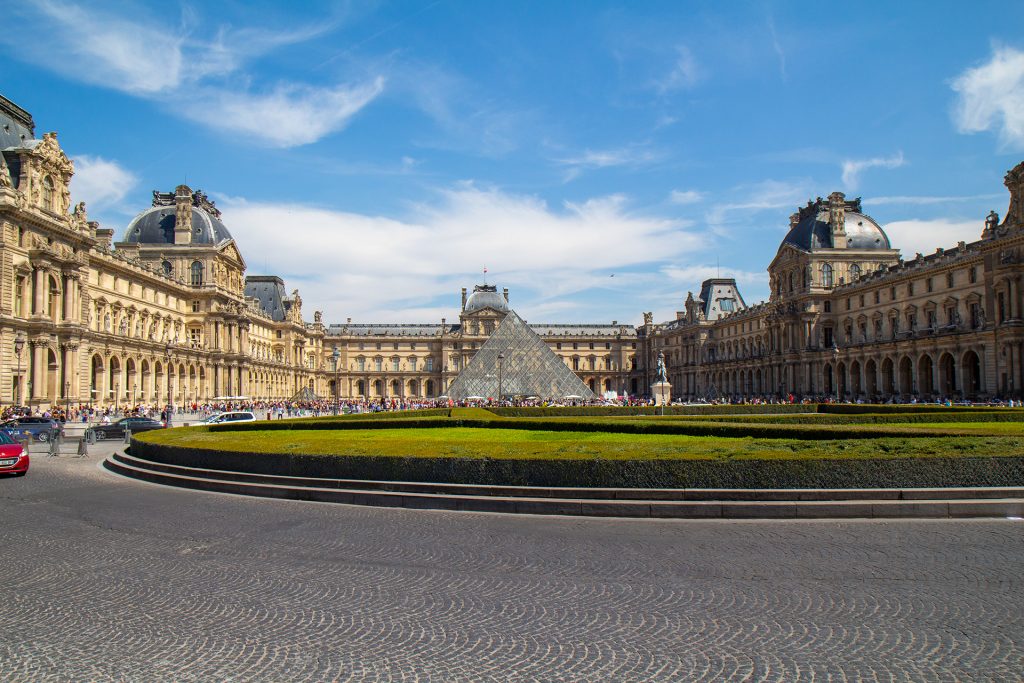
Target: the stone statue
(648, 318)
(318, 317)
(5, 173)
(991, 223)
(661, 376)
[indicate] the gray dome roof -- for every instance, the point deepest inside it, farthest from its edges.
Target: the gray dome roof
(156, 226)
(862, 232)
(486, 296)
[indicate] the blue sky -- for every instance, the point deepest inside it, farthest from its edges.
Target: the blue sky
(598, 159)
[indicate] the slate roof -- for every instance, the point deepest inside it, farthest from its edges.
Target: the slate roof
(269, 290)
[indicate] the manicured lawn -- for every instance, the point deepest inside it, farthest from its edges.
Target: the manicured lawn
(537, 444)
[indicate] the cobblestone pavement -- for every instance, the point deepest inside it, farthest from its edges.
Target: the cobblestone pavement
(109, 579)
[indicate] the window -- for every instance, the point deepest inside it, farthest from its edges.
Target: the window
(558, 345)
(910, 289)
(975, 316)
(378, 364)
(951, 315)
(829, 337)
(197, 273)
(972, 275)
(362, 346)
(828, 306)
(949, 280)
(396, 346)
(394, 363)
(575, 363)
(878, 297)
(430, 364)
(854, 272)
(195, 306)
(48, 193)
(168, 270)
(826, 275)
(575, 346)
(361, 364)
(878, 328)
(195, 337)
(591, 346)
(931, 320)
(928, 284)
(894, 325)
(278, 334)
(862, 301)
(892, 294)
(608, 345)
(863, 332)
(19, 296)
(412, 363)
(727, 305)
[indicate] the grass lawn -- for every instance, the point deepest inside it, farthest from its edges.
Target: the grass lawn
(1007, 439)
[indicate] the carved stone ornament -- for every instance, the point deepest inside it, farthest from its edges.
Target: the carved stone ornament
(5, 173)
(648, 318)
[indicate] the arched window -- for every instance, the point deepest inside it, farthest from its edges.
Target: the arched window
(826, 275)
(854, 272)
(197, 273)
(166, 265)
(48, 193)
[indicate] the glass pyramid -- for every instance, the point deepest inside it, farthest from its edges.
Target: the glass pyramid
(529, 368)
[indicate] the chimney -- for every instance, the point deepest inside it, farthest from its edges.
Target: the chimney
(505, 293)
(793, 220)
(183, 215)
(463, 298)
(104, 236)
(348, 321)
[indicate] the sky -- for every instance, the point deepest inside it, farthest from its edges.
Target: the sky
(598, 159)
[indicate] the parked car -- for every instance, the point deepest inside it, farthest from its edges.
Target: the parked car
(115, 430)
(233, 416)
(13, 458)
(38, 428)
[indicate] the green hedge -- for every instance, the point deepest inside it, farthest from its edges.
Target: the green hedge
(607, 411)
(696, 428)
(758, 474)
(863, 419)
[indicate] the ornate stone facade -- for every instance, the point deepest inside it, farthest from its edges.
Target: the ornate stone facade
(848, 318)
(168, 314)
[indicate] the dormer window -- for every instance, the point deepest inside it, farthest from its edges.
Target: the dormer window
(48, 193)
(168, 270)
(197, 273)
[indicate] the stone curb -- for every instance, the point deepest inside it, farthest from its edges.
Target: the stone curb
(917, 507)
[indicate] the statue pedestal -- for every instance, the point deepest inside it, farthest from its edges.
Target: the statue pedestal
(662, 392)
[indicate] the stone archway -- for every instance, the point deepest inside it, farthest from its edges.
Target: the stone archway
(925, 375)
(906, 376)
(888, 378)
(947, 376)
(871, 378)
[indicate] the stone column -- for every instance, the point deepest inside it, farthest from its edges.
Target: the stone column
(39, 369)
(39, 295)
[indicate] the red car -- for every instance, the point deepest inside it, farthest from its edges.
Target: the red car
(13, 459)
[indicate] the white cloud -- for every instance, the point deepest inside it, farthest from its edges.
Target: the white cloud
(852, 168)
(288, 116)
(914, 236)
(696, 274)
(384, 269)
(685, 196)
(170, 65)
(627, 157)
(99, 182)
(778, 48)
(685, 72)
(991, 97)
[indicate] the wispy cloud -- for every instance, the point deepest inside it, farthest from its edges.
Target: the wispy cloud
(685, 72)
(525, 243)
(991, 97)
(685, 196)
(852, 168)
(200, 78)
(288, 116)
(777, 47)
(763, 196)
(100, 182)
(630, 157)
(927, 201)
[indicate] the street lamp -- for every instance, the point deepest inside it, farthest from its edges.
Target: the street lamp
(135, 388)
(117, 395)
(169, 348)
(67, 400)
(501, 361)
(19, 344)
(336, 355)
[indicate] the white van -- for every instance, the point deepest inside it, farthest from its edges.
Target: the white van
(235, 416)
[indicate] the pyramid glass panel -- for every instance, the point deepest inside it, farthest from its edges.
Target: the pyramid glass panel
(527, 368)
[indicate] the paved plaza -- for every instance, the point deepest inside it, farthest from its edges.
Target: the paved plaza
(109, 579)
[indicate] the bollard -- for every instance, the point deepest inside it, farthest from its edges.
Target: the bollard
(83, 449)
(90, 436)
(52, 446)
(127, 436)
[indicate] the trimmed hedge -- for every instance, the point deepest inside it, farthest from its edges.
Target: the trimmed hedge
(865, 419)
(607, 411)
(696, 428)
(758, 474)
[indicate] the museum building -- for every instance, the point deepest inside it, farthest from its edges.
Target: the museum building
(848, 318)
(168, 313)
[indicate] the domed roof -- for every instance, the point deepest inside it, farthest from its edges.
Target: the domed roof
(813, 231)
(485, 296)
(156, 224)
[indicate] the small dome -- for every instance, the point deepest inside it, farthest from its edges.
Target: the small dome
(813, 233)
(156, 224)
(486, 296)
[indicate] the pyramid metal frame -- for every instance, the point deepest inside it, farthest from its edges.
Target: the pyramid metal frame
(529, 368)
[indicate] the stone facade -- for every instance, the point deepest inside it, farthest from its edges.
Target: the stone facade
(168, 314)
(848, 318)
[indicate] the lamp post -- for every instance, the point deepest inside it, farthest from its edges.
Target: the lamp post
(336, 355)
(169, 348)
(501, 362)
(67, 400)
(117, 395)
(19, 344)
(135, 388)
(835, 369)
